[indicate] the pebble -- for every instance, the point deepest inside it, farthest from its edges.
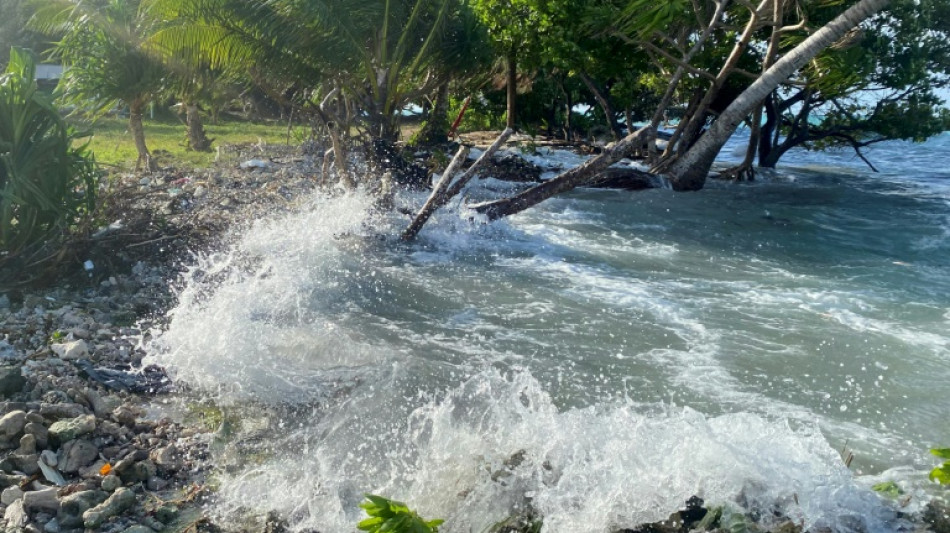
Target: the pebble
(110, 483)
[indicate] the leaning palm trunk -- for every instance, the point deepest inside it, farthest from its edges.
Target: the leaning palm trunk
(136, 112)
(689, 172)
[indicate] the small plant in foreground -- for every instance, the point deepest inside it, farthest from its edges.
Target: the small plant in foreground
(941, 474)
(387, 515)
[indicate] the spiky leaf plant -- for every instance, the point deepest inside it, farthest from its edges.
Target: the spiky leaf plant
(387, 515)
(47, 186)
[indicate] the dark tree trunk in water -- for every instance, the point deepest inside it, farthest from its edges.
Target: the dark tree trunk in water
(602, 99)
(689, 172)
(568, 126)
(573, 178)
(436, 128)
(512, 86)
(136, 112)
(197, 139)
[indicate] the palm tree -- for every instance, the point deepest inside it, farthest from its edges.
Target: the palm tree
(105, 57)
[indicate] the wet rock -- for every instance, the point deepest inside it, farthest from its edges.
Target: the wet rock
(41, 500)
(67, 430)
(72, 507)
(62, 410)
(110, 483)
(52, 526)
(140, 471)
(102, 406)
(156, 484)
(10, 495)
(937, 516)
(119, 501)
(629, 179)
(124, 415)
(71, 350)
(510, 167)
(76, 454)
(16, 517)
(166, 514)
(138, 528)
(11, 380)
(167, 458)
(11, 425)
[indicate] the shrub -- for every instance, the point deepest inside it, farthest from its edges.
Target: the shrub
(47, 186)
(391, 516)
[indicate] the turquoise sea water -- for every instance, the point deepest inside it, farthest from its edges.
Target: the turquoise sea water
(629, 349)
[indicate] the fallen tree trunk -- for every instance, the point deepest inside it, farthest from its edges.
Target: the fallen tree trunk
(445, 190)
(573, 178)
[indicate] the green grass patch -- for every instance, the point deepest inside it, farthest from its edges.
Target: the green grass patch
(111, 141)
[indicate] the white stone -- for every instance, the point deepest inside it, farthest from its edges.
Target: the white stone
(71, 350)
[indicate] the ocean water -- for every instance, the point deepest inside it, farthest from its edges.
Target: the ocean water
(596, 360)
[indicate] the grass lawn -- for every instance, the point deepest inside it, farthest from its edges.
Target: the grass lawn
(111, 140)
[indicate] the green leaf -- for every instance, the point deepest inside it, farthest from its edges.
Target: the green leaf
(943, 453)
(941, 474)
(888, 488)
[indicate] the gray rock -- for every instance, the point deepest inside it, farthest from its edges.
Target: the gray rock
(27, 444)
(71, 350)
(72, 507)
(52, 526)
(9, 480)
(11, 425)
(62, 410)
(110, 483)
(39, 431)
(140, 471)
(20, 463)
(67, 430)
(120, 500)
(153, 523)
(167, 513)
(49, 457)
(76, 454)
(11, 380)
(16, 517)
(138, 528)
(10, 495)
(102, 406)
(167, 458)
(41, 500)
(124, 416)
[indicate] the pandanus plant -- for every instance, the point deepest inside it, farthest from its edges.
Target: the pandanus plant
(47, 186)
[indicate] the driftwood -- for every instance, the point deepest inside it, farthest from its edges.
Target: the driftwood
(445, 190)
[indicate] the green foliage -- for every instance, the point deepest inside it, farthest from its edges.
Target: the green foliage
(485, 112)
(888, 488)
(47, 187)
(941, 474)
(387, 515)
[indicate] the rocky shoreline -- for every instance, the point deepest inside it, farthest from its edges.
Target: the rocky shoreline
(86, 443)
(84, 447)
